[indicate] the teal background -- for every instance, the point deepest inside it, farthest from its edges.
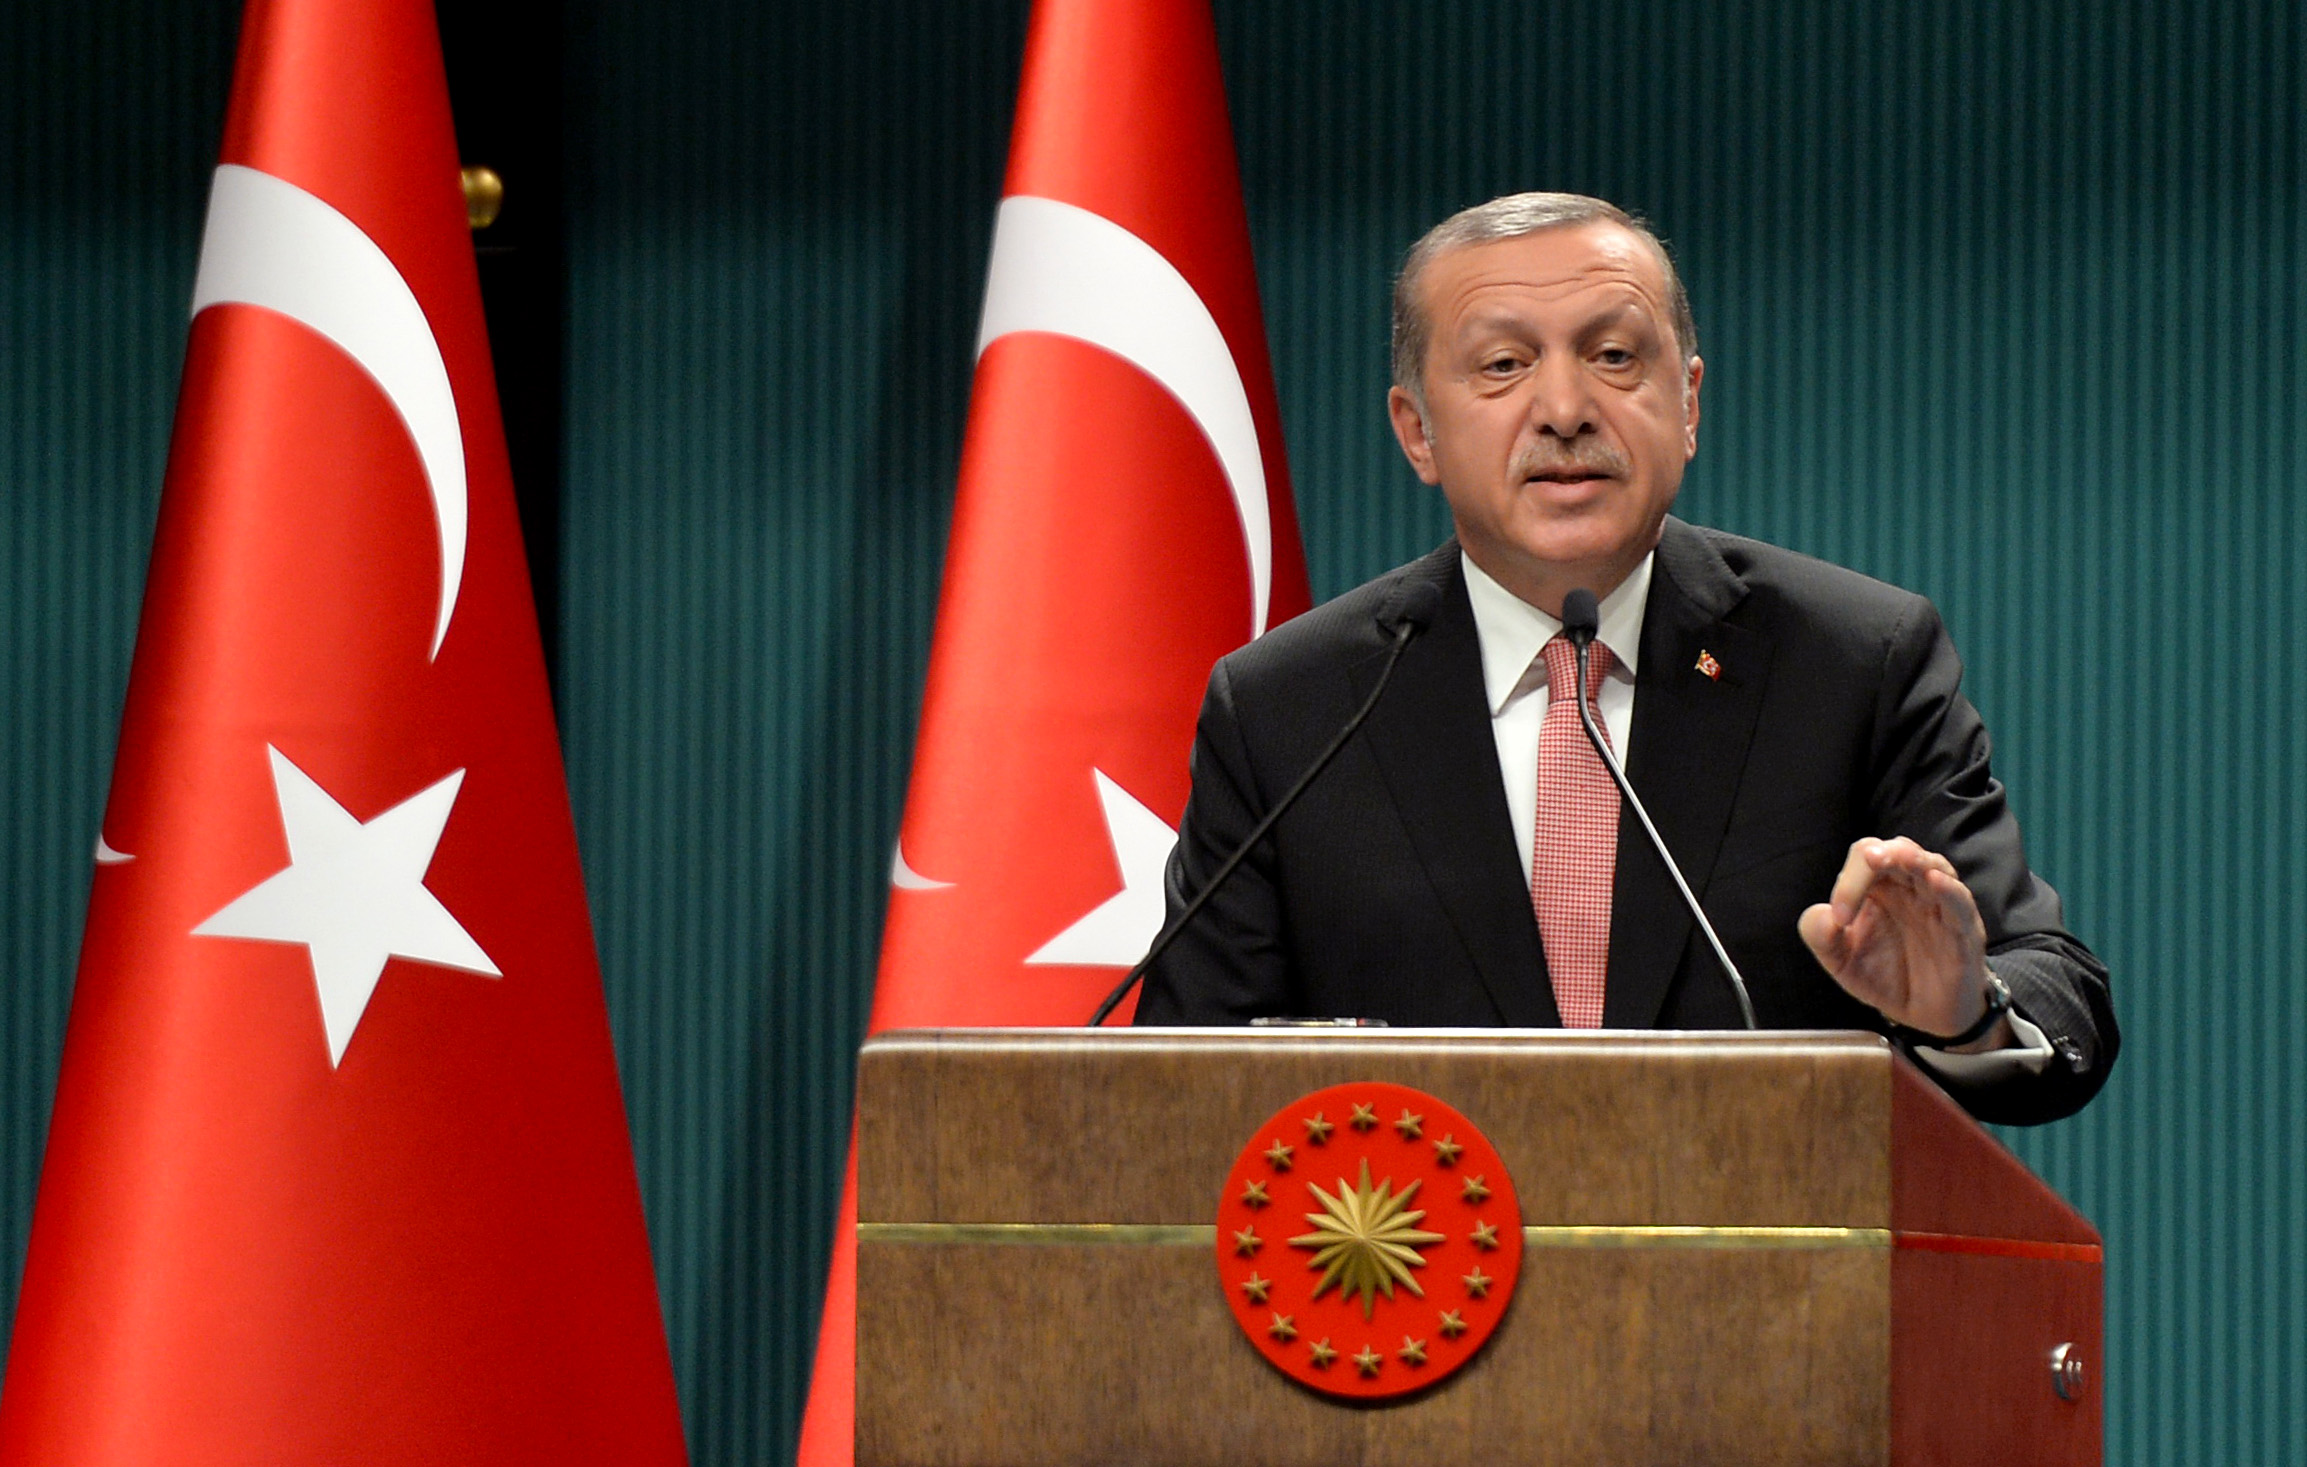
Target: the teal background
(1999, 301)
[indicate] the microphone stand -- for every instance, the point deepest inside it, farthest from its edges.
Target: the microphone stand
(1417, 608)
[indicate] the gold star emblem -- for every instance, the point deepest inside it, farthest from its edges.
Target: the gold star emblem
(1369, 1360)
(1409, 1125)
(1477, 1283)
(1413, 1352)
(1473, 1191)
(1254, 1195)
(1247, 1243)
(1366, 1239)
(1256, 1287)
(1446, 1152)
(1318, 1130)
(1453, 1325)
(1278, 1156)
(1320, 1353)
(1365, 1116)
(1281, 1329)
(1485, 1235)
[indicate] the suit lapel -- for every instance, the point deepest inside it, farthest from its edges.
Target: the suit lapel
(1691, 733)
(1430, 736)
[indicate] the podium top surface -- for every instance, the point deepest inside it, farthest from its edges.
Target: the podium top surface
(1597, 1128)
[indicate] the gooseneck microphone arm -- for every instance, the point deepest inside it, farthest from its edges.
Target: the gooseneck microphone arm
(1418, 606)
(1581, 619)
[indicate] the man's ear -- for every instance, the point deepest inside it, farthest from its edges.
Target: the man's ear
(1690, 408)
(1410, 432)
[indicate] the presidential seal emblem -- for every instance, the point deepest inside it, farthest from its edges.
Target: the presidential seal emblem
(1368, 1240)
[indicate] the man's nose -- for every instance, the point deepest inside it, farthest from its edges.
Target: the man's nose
(1562, 400)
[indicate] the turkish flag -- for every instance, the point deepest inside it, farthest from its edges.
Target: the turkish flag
(338, 1170)
(1123, 520)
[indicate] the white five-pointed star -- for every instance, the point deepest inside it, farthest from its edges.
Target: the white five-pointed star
(1118, 931)
(353, 894)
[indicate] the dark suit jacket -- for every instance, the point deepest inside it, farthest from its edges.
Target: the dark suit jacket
(1394, 890)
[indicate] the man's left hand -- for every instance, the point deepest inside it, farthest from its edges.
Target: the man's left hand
(1901, 933)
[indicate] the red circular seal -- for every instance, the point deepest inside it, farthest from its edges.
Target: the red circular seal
(1368, 1239)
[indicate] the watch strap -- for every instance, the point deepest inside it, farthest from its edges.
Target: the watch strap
(1998, 1004)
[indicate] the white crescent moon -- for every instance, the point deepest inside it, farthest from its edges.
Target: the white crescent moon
(905, 878)
(271, 244)
(1061, 269)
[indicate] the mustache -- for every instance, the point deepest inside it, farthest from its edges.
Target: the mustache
(1594, 460)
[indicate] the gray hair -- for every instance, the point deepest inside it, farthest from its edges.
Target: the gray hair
(1511, 217)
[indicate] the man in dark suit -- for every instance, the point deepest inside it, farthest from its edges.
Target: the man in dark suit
(1795, 729)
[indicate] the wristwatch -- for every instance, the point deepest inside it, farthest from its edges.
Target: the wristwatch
(1998, 1004)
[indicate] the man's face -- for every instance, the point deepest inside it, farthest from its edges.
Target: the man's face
(1558, 414)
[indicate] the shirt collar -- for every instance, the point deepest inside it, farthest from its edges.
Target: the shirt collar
(1513, 633)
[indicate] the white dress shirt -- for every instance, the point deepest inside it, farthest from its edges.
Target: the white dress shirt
(1513, 635)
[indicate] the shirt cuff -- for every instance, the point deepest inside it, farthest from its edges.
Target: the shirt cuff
(2029, 1055)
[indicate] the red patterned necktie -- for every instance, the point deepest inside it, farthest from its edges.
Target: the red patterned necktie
(1574, 867)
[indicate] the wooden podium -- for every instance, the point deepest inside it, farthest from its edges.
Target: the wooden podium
(1738, 1248)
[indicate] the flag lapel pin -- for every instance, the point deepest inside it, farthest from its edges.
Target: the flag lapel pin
(1708, 665)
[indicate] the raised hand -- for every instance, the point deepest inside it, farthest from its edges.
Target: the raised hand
(1901, 933)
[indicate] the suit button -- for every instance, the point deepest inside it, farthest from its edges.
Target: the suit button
(2072, 1055)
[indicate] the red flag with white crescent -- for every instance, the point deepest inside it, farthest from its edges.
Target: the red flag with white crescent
(1123, 520)
(338, 1169)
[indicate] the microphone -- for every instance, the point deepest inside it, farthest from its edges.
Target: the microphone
(1581, 619)
(1410, 616)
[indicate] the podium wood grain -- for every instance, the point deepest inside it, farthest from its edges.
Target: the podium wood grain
(1018, 1354)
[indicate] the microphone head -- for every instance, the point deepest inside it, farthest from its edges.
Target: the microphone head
(1581, 615)
(1415, 611)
